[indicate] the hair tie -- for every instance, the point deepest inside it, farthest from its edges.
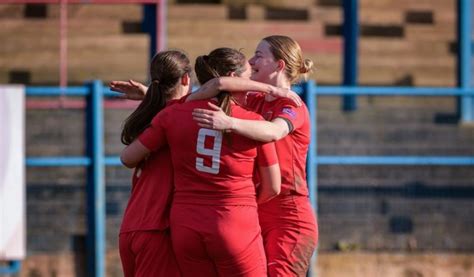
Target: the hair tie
(303, 69)
(155, 81)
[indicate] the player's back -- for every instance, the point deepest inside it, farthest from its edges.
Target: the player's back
(211, 167)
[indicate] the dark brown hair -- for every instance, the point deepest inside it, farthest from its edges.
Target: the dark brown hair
(166, 70)
(220, 62)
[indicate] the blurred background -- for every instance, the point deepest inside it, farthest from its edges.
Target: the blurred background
(375, 219)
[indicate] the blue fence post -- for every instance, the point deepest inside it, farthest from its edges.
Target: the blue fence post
(149, 26)
(351, 34)
(154, 23)
(95, 182)
(312, 167)
(12, 268)
(465, 103)
(311, 102)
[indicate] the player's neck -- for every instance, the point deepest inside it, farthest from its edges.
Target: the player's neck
(280, 81)
(179, 92)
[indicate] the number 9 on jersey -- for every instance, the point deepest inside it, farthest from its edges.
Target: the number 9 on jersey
(214, 152)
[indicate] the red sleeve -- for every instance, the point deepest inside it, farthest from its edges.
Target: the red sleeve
(154, 136)
(266, 154)
(293, 115)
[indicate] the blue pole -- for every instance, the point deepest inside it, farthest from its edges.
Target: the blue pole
(57, 161)
(12, 268)
(149, 26)
(96, 184)
(351, 34)
(465, 103)
(312, 167)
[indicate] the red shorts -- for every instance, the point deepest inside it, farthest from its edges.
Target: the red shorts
(217, 240)
(147, 253)
(290, 234)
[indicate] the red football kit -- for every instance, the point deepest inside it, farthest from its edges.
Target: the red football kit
(144, 240)
(214, 219)
(289, 227)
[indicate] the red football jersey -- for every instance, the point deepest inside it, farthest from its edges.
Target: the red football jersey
(211, 167)
(152, 186)
(293, 148)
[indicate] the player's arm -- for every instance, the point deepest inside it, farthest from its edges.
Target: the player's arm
(133, 154)
(269, 172)
(152, 139)
(270, 183)
(259, 130)
(131, 90)
(212, 88)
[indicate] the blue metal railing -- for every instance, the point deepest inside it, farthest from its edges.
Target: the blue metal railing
(311, 92)
(95, 161)
(465, 108)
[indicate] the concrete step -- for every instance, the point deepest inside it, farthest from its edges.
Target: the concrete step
(375, 106)
(8, 11)
(374, 232)
(17, 27)
(407, 63)
(92, 57)
(410, 177)
(381, 16)
(438, 79)
(367, 205)
(398, 15)
(327, 147)
(197, 12)
(65, 175)
(413, 135)
(233, 28)
(129, 12)
(49, 41)
(430, 33)
(121, 12)
(416, 49)
(407, 4)
(438, 75)
(327, 15)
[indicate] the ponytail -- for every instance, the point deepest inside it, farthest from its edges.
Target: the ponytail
(141, 118)
(166, 70)
(205, 73)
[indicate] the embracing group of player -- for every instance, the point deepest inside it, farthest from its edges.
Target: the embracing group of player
(219, 187)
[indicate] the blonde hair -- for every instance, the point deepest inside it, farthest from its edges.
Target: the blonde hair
(286, 49)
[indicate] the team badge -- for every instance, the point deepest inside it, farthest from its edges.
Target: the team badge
(289, 111)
